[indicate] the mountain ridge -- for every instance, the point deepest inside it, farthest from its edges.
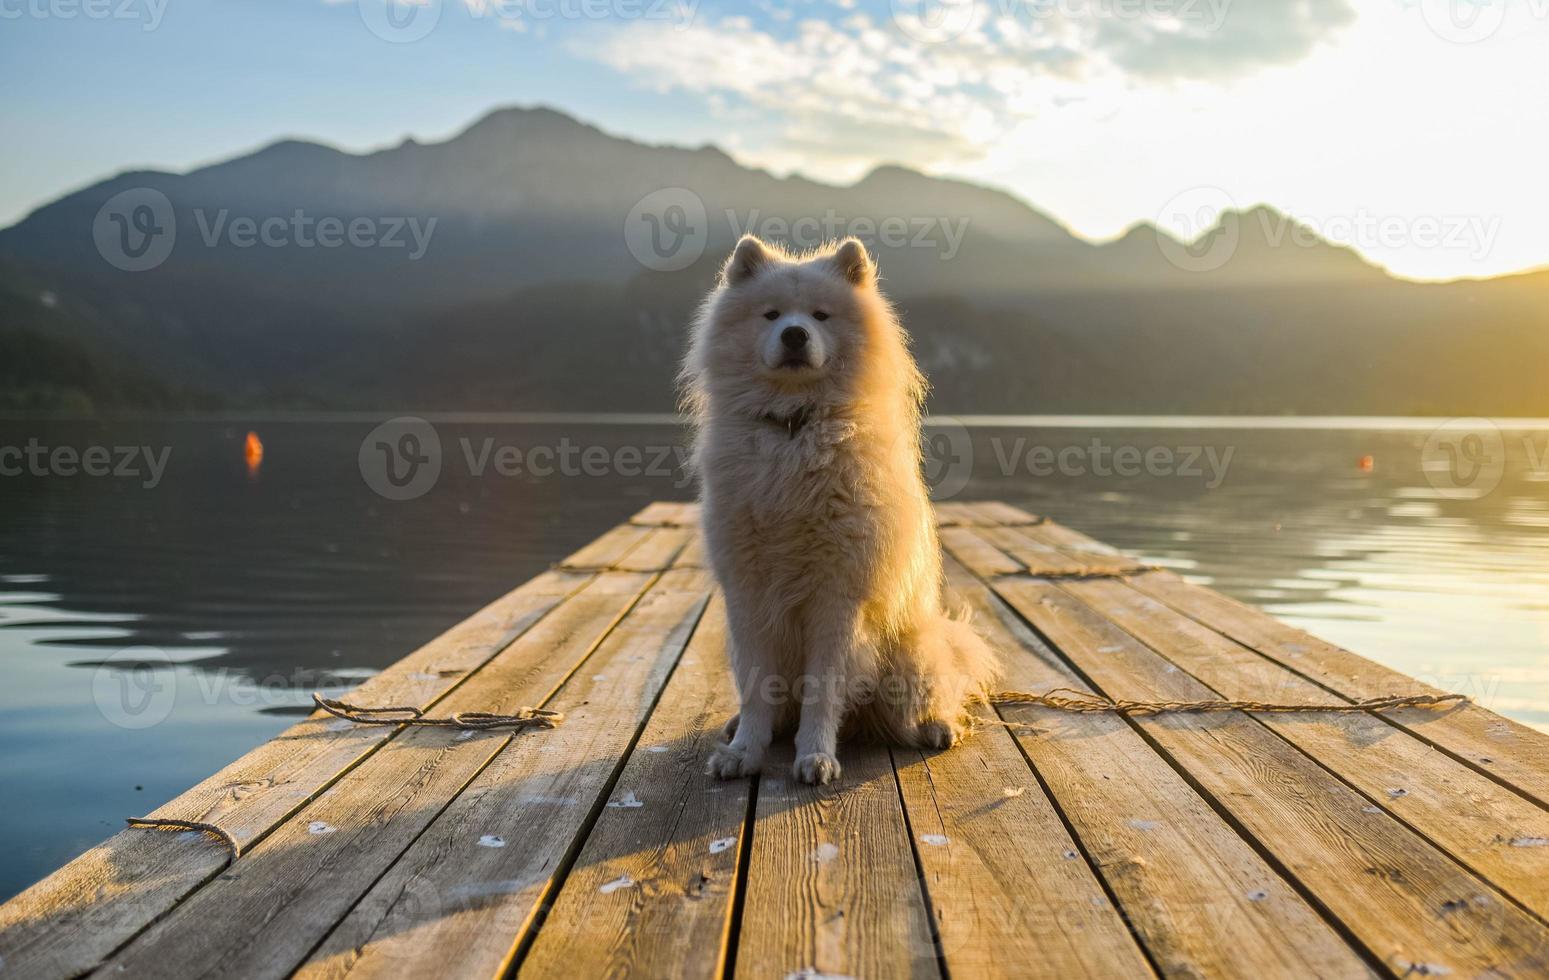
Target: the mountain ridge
(530, 293)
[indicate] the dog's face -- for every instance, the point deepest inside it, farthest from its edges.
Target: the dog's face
(794, 326)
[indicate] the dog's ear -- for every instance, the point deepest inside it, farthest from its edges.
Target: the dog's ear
(853, 263)
(747, 259)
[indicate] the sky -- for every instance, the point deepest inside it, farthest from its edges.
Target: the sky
(1415, 130)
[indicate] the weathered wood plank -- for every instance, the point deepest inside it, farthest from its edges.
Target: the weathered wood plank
(262, 916)
(68, 922)
(832, 885)
(1045, 560)
(981, 557)
(663, 513)
(1070, 539)
(656, 552)
(460, 901)
(608, 550)
(651, 893)
(1479, 822)
(1408, 903)
(995, 512)
(1509, 751)
(1011, 897)
(1202, 901)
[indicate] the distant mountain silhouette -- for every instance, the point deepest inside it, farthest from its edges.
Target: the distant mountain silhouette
(541, 286)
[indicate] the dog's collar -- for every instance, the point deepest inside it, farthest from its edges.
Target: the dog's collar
(792, 423)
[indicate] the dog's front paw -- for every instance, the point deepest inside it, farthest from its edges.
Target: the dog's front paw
(817, 768)
(937, 734)
(730, 762)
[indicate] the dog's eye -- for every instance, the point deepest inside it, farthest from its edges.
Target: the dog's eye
(772, 315)
(819, 315)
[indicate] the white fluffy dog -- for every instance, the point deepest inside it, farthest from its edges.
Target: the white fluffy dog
(816, 519)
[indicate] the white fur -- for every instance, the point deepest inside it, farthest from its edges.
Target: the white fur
(816, 517)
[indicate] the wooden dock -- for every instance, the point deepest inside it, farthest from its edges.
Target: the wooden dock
(1412, 842)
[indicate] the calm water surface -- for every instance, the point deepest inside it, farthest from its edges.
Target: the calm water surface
(245, 588)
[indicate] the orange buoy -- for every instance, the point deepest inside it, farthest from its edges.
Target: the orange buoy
(253, 451)
(1366, 464)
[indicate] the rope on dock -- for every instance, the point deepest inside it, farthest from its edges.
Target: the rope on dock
(1087, 702)
(1084, 572)
(408, 715)
(233, 848)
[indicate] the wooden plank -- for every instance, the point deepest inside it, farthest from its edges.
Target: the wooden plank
(608, 550)
(1008, 898)
(1046, 561)
(263, 915)
(693, 554)
(655, 553)
(678, 851)
(832, 886)
(460, 901)
(1201, 900)
(993, 512)
(1064, 537)
(662, 513)
(955, 514)
(1513, 753)
(981, 557)
(67, 923)
(1407, 902)
(1479, 822)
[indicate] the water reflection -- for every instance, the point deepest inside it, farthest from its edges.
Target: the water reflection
(258, 580)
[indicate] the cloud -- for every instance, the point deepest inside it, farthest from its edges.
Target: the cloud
(940, 81)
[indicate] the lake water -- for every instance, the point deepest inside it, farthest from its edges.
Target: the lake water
(245, 586)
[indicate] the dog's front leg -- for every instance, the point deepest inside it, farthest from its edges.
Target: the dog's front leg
(754, 667)
(833, 641)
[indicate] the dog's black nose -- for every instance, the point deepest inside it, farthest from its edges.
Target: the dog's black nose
(794, 338)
